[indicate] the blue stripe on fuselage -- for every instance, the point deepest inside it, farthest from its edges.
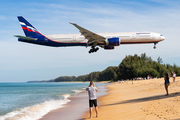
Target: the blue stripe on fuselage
(48, 42)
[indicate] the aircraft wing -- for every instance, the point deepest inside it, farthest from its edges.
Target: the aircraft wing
(92, 37)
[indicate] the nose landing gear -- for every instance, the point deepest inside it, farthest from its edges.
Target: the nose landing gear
(155, 45)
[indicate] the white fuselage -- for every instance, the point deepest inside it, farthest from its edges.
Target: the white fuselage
(125, 37)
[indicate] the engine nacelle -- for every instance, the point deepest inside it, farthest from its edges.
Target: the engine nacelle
(113, 41)
(108, 47)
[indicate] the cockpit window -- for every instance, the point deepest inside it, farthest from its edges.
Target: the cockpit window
(161, 35)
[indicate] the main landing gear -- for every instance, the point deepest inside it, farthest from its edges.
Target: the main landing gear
(155, 45)
(93, 49)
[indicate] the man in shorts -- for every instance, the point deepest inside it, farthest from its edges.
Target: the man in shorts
(92, 98)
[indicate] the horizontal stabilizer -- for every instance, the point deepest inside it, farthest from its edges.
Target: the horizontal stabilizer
(25, 38)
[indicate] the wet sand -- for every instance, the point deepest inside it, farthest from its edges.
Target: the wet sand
(143, 100)
(76, 108)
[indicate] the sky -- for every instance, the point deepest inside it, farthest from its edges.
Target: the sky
(21, 62)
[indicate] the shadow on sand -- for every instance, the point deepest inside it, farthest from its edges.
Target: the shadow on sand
(157, 97)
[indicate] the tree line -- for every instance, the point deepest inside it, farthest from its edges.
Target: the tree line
(130, 67)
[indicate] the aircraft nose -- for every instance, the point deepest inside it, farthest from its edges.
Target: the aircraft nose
(162, 38)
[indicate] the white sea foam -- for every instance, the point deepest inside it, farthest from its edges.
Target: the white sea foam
(35, 112)
(77, 91)
(66, 96)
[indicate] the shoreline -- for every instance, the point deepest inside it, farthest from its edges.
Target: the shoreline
(141, 100)
(69, 82)
(77, 106)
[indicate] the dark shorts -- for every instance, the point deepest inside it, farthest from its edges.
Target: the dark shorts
(93, 102)
(167, 83)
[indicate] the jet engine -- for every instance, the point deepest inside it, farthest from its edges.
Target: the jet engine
(113, 41)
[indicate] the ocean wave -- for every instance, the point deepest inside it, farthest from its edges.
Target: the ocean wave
(65, 96)
(84, 88)
(37, 111)
(77, 91)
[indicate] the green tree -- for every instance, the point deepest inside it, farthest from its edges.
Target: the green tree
(130, 67)
(159, 60)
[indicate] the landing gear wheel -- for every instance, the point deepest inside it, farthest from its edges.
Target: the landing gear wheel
(96, 49)
(155, 45)
(93, 50)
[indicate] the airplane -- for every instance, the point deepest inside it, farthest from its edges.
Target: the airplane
(108, 41)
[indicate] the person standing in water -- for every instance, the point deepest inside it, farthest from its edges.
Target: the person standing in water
(166, 83)
(92, 98)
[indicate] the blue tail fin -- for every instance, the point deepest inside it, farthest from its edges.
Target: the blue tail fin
(29, 30)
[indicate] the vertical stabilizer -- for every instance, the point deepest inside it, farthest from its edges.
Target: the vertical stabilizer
(29, 30)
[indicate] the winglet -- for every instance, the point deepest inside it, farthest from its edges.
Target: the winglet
(72, 23)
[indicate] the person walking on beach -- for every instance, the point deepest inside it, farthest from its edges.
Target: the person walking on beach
(166, 83)
(92, 98)
(174, 76)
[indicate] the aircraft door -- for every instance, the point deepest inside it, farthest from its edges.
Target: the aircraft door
(153, 36)
(46, 40)
(74, 39)
(133, 36)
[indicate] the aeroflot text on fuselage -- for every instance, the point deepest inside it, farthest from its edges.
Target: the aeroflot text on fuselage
(143, 33)
(86, 38)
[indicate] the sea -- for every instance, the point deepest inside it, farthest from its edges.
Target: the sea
(31, 101)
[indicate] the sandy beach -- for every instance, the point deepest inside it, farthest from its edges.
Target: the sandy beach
(143, 100)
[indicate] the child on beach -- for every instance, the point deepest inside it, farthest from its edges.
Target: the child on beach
(92, 98)
(166, 83)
